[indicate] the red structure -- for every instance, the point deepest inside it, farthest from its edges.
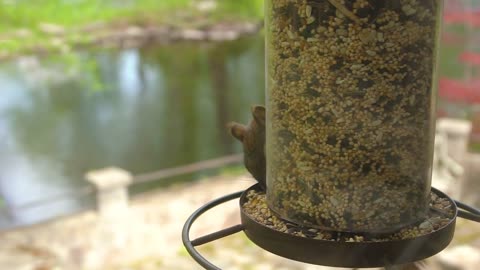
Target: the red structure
(470, 58)
(465, 90)
(462, 17)
(458, 91)
(461, 12)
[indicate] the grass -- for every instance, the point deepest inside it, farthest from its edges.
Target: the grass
(241, 9)
(233, 170)
(21, 22)
(29, 14)
(473, 147)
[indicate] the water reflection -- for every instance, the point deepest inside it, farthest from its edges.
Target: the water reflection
(157, 108)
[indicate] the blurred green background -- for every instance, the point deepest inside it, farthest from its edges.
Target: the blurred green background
(26, 19)
(70, 105)
(80, 92)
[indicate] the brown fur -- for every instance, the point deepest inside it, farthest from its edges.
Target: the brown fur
(252, 137)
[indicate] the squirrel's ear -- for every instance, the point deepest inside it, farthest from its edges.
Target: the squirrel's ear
(258, 113)
(237, 130)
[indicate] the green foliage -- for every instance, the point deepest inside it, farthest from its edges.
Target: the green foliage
(182, 252)
(449, 65)
(29, 14)
(72, 16)
(233, 170)
(244, 9)
(474, 147)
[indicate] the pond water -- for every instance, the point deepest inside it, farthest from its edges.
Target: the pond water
(138, 109)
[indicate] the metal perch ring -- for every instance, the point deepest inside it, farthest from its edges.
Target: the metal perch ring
(338, 254)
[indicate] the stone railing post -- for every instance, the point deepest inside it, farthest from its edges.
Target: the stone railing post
(112, 190)
(450, 155)
(457, 132)
(472, 165)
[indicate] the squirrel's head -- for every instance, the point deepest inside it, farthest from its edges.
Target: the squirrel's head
(258, 113)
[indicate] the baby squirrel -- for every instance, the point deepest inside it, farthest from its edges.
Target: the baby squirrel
(252, 137)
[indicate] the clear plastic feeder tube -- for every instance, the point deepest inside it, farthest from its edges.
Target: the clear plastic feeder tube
(350, 111)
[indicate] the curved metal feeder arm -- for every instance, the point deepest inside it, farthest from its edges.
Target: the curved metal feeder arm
(257, 232)
(468, 212)
(190, 245)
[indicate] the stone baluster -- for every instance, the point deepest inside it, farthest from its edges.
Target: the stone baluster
(112, 190)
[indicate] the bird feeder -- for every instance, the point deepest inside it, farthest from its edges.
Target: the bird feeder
(351, 94)
(350, 103)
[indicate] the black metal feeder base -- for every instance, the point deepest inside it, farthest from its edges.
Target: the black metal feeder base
(348, 254)
(327, 252)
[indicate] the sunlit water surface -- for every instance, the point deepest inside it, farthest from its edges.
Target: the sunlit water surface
(138, 109)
